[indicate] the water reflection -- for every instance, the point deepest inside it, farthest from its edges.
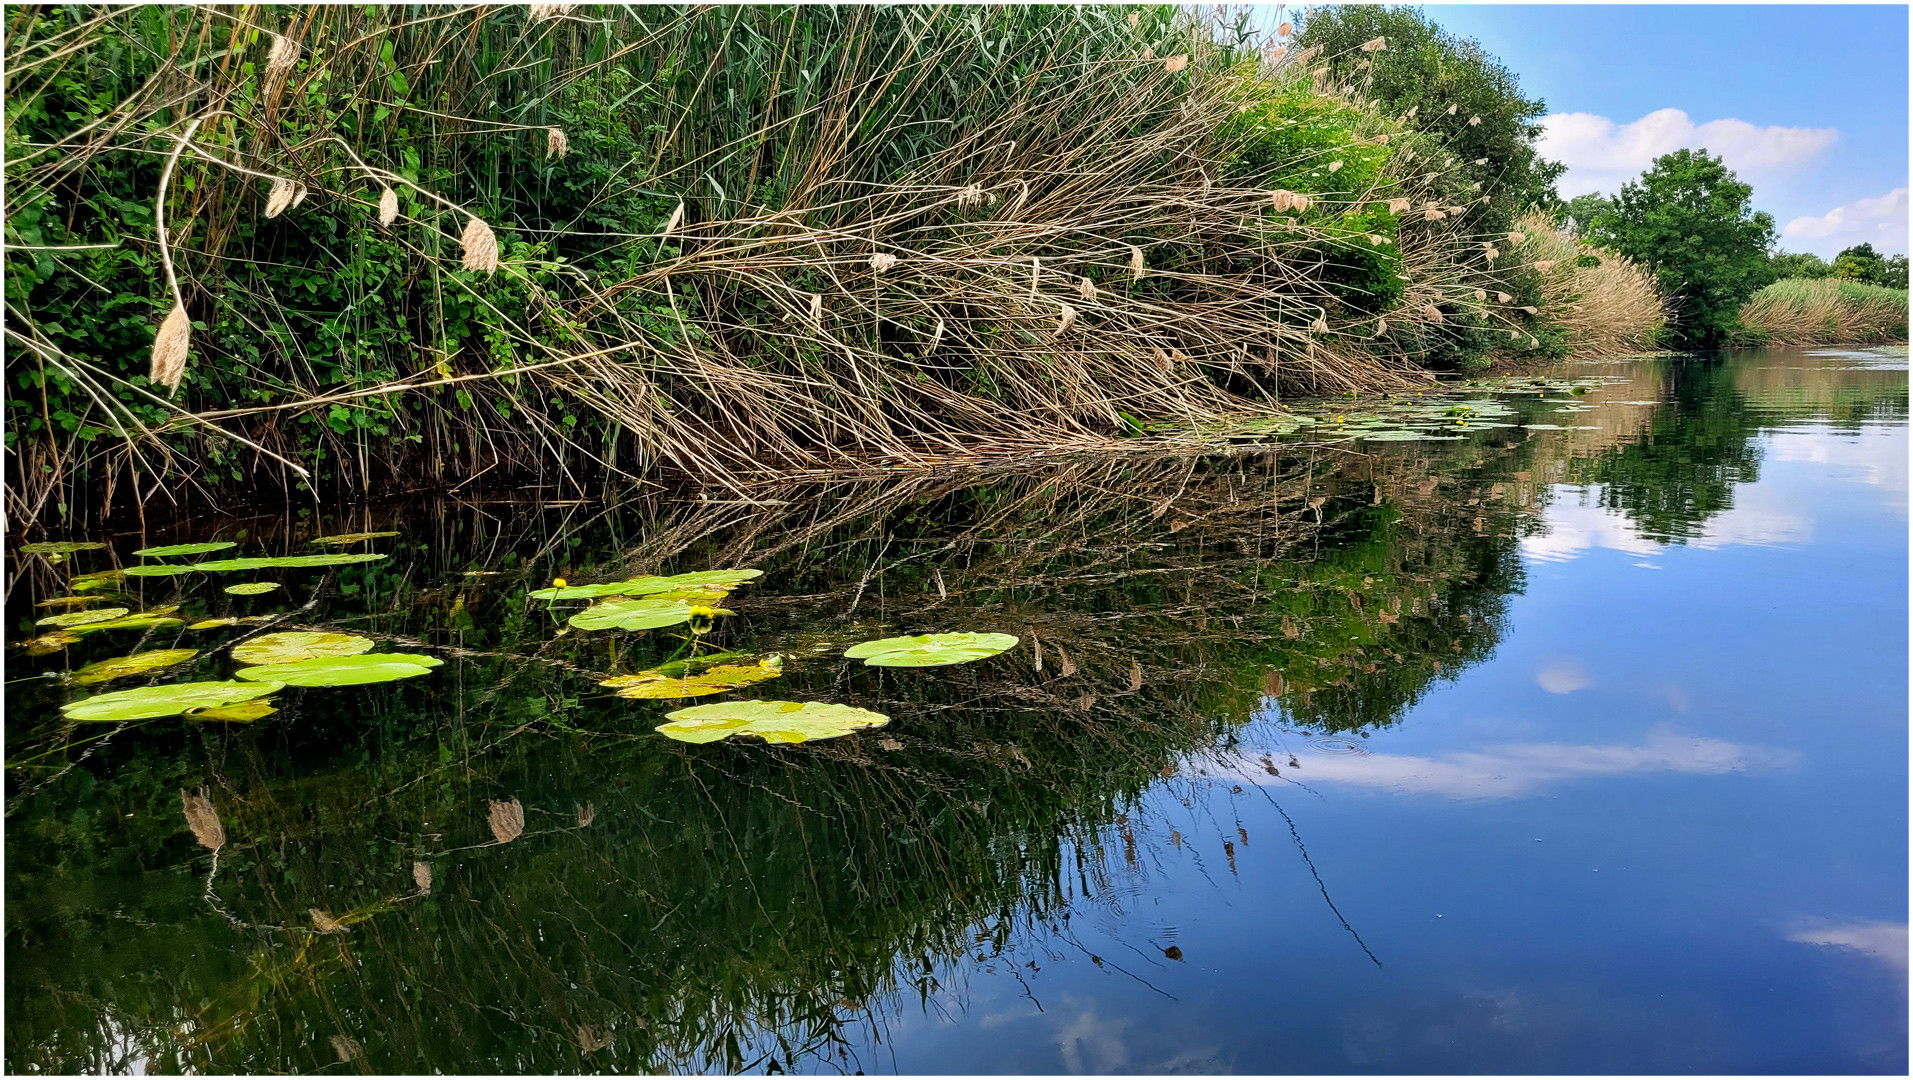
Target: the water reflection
(753, 907)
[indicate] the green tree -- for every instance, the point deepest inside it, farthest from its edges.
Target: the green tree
(1693, 223)
(1860, 263)
(1787, 264)
(1449, 82)
(1586, 210)
(1895, 272)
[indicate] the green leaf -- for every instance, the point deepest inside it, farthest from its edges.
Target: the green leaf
(930, 650)
(81, 618)
(89, 582)
(344, 670)
(156, 570)
(292, 646)
(244, 712)
(142, 621)
(277, 561)
(647, 614)
(172, 699)
(772, 721)
(137, 664)
(252, 588)
(64, 547)
(186, 549)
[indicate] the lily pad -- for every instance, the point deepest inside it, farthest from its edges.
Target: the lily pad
(252, 588)
(713, 679)
(77, 618)
(647, 586)
(89, 582)
(772, 721)
(137, 664)
(49, 643)
(349, 538)
(292, 646)
(186, 549)
(170, 699)
(344, 670)
(231, 620)
(71, 601)
(646, 614)
(265, 562)
(930, 650)
(244, 712)
(61, 547)
(141, 621)
(157, 570)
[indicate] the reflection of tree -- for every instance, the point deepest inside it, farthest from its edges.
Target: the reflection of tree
(728, 906)
(1681, 471)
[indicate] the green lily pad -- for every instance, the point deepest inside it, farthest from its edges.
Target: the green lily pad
(647, 586)
(772, 721)
(141, 621)
(137, 664)
(252, 588)
(89, 582)
(171, 699)
(645, 614)
(712, 679)
(157, 570)
(930, 650)
(349, 538)
(344, 670)
(62, 547)
(242, 713)
(238, 620)
(292, 646)
(186, 549)
(77, 618)
(71, 601)
(265, 562)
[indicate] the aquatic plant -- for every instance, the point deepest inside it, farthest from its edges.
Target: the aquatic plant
(772, 721)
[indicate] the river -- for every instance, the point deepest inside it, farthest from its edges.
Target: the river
(1574, 740)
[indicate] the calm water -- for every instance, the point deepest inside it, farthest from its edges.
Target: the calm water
(1579, 747)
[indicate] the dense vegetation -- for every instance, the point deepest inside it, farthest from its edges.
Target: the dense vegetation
(1823, 311)
(410, 250)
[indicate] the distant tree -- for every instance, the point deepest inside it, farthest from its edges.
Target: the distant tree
(1787, 264)
(1895, 272)
(1492, 127)
(1585, 210)
(1860, 263)
(1691, 221)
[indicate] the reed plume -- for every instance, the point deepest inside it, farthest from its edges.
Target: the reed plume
(507, 821)
(170, 347)
(203, 820)
(481, 246)
(388, 206)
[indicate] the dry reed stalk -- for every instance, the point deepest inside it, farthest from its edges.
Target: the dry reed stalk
(481, 246)
(203, 819)
(507, 821)
(388, 206)
(677, 218)
(170, 347)
(556, 144)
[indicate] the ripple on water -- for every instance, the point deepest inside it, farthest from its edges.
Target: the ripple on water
(1331, 745)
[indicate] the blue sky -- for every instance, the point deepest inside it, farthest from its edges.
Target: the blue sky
(1808, 103)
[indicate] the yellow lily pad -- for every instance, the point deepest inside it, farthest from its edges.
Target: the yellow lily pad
(143, 621)
(252, 588)
(293, 646)
(71, 601)
(58, 547)
(89, 582)
(349, 538)
(137, 664)
(242, 713)
(49, 643)
(659, 682)
(648, 586)
(772, 721)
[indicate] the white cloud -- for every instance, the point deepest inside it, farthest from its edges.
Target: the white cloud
(1563, 677)
(1880, 220)
(1515, 770)
(1601, 154)
(1883, 941)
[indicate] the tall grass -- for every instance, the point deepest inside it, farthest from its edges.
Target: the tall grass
(1592, 301)
(777, 238)
(1824, 311)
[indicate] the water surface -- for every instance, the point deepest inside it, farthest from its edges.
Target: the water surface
(1578, 744)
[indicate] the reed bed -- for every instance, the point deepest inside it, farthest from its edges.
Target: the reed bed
(1825, 311)
(441, 247)
(1597, 303)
